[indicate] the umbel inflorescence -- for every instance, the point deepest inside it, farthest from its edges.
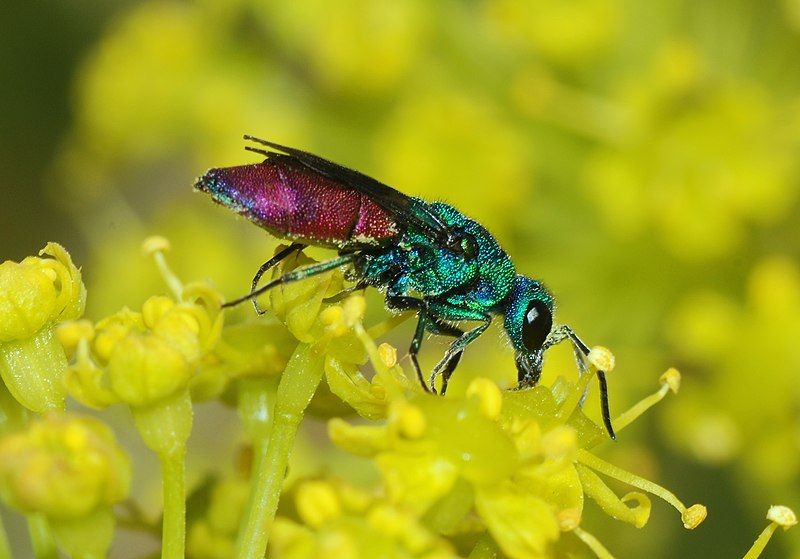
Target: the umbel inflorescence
(488, 473)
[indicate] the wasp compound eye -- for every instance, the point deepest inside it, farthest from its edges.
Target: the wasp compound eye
(536, 325)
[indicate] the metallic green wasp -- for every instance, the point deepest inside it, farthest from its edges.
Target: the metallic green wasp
(425, 256)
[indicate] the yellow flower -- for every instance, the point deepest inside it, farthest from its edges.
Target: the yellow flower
(35, 294)
(71, 470)
(63, 466)
(518, 459)
(147, 359)
(147, 356)
(342, 521)
(213, 535)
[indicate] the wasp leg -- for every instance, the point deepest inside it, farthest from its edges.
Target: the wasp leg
(344, 293)
(458, 346)
(440, 327)
(272, 262)
(581, 350)
(403, 303)
(295, 275)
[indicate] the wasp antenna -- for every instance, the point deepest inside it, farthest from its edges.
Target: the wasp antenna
(578, 342)
(601, 377)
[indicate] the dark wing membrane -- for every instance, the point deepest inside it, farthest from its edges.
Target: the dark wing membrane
(404, 208)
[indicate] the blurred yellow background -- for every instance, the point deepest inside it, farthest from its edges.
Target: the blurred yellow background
(641, 158)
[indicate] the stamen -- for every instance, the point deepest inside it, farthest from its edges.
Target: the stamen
(573, 399)
(372, 350)
(616, 507)
(156, 247)
(382, 328)
(779, 516)
(592, 543)
(692, 516)
(670, 381)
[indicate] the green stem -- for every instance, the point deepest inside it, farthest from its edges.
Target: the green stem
(44, 546)
(297, 386)
(173, 473)
(5, 550)
(165, 428)
(266, 490)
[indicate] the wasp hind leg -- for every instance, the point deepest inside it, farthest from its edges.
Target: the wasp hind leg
(295, 275)
(279, 257)
(345, 293)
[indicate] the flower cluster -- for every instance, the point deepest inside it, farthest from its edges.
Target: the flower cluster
(513, 464)
(70, 470)
(481, 473)
(147, 359)
(335, 519)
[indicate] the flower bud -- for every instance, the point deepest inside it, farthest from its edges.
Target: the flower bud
(63, 466)
(144, 369)
(71, 333)
(27, 300)
(317, 503)
(39, 291)
(35, 294)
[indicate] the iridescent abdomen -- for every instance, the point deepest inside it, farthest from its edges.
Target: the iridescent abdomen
(292, 201)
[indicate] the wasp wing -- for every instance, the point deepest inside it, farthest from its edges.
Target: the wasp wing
(405, 209)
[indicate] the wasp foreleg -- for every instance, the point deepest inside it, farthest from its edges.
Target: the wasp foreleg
(459, 345)
(403, 303)
(440, 327)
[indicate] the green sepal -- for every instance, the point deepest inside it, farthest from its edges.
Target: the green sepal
(33, 370)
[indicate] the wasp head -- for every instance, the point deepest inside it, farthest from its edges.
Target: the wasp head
(528, 322)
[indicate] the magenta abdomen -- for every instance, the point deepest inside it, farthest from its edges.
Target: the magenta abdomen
(293, 201)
